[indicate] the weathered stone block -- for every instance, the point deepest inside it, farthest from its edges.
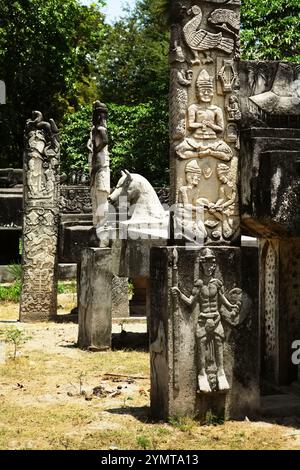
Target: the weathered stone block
(270, 190)
(94, 309)
(222, 317)
(279, 307)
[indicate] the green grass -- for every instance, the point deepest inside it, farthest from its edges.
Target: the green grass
(11, 293)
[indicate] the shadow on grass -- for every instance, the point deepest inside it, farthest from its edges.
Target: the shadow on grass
(141, 413)
(128, 340)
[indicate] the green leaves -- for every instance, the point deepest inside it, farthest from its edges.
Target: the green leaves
(138, 140)
(270, 30)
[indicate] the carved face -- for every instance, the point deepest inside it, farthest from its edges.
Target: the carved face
(209, 266)
(193, 178)
(205, 94)
(126, 188)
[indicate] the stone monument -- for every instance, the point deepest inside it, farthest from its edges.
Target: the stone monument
(99, 168)
(204, 113)
(270, 201)
(204, 316)
(40, 219)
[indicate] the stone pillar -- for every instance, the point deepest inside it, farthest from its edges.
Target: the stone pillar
(203, 332)
(40, 220)
(204, 117)
(95, 297)
(279, 306)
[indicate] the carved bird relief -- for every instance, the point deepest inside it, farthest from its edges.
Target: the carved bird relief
(200, 40)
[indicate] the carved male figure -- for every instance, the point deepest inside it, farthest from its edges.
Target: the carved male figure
(100, 173)
(209, 293)
(189, 214)
(205, 122)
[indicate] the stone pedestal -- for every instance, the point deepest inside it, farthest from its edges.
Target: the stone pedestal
(95, 299)
(228, 298)
(101, 269)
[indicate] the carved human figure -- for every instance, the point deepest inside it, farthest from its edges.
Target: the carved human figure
(233, 109)
(205, 122)
(100, 172)
(34, 177)
(181, 79)
(223, 209)
(210, 295)
(189, 193)
(50, 181)
(189, 213)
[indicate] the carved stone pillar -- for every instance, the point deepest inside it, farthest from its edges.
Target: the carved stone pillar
(204, 332)
(40, 219)
(204, 117)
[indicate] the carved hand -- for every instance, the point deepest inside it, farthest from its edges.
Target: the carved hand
(175, 292)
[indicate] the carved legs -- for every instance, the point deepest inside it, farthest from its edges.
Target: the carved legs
(202, 377)
(222, 381)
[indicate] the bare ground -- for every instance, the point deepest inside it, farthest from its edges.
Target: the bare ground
(55, 396)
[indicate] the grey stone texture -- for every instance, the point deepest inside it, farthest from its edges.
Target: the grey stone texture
(270, 146)
(270, 192)
(103, 276)
(204, 119)
(95, 297)
(279, 307)
(174, 346)
(40, 219)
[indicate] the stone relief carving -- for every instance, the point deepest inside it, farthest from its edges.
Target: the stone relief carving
(41, 217)
(233, 109)
(270, 302)
(99, 164)
(201, 40)
(204, 119)
(180, 80)
(227, 20)
(189, 218)
(205, 122)
(217, 310)
(227, 75)
(75, 200)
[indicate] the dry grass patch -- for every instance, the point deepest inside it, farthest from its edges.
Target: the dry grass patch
(47, 402)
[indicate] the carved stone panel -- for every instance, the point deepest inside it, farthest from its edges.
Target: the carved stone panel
(40, 219)
(205, 115)
(204, 341)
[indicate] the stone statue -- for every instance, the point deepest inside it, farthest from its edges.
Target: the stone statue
(205, 122)
(146, 214)
(214, 308)
(99, 164)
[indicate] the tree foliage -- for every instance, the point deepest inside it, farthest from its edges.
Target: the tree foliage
(271, 30)
(137, 135)
(47, 51)
(133, 64)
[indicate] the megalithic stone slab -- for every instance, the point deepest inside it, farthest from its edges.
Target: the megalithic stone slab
(204, 337)
(40, 219)
(95, 297)
(205, 116)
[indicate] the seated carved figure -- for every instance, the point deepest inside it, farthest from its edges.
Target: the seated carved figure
(205, 122)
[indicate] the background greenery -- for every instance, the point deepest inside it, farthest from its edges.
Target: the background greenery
(58, 56)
